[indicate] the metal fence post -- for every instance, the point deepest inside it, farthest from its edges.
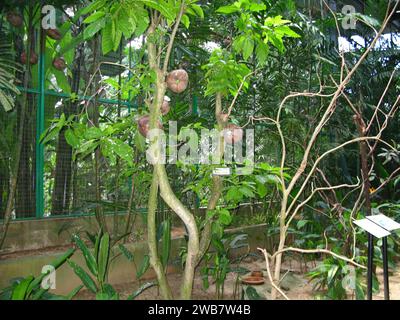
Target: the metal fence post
(39, 130)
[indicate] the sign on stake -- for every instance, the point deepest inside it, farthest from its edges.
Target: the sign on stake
(378, 226)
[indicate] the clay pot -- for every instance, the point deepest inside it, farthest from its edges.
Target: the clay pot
(144, 125)
(253, 281)
(15, 19)
(59, 64)
(177, 80)
(233, 133)
(257, 274)
(54, 34)
(165, 106)
(33, 58)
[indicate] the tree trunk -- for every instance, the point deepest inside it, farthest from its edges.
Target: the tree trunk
(165, 188)
(63, 171)
(152, 240)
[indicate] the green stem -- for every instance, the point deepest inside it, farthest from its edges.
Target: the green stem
(217, 184)
(166, 191)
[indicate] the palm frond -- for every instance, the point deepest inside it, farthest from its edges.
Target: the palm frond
(8, 67)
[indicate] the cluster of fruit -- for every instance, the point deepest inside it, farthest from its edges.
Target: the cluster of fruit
(16, 20)
(177, 81)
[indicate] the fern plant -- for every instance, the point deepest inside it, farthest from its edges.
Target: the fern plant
(8, 67)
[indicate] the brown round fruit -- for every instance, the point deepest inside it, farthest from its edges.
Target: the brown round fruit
(54, 34)
(15, 19)
(165, 106)
(59, 64)
(233, 133)
(177, 80)
(33, 58)
(144, 125)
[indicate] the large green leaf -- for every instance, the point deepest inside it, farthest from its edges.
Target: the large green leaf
(252, 294)
(224, 217)
(56, 264)
(164, 7)
(93, 133)
(126, 252)
(122, 149)
(97, 244)
(107, 37)
(71, 138)
(62, 80)
(94, 17)
(248, 48)
(126, 24)
(84, 276)
(144, 266)
(104, 251)
(93, 28)
(20, 291)
(74, 292)
(89, 258)
(228, 9)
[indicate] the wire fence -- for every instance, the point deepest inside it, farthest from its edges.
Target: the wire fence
(50, 182)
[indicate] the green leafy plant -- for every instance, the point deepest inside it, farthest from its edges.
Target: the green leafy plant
(253, 35)
(219, 263)
(30, 287)
(8, 67)
(98, 263)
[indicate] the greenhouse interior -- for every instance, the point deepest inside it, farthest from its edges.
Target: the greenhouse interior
(212, 150)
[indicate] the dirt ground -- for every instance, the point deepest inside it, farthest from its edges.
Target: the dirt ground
(294, 283)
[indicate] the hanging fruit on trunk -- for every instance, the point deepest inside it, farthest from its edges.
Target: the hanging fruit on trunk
(33, 59)
(233, 133)
(59, 64)
(144, 125)
(177, 80)
(165, 106)
(15, 19)
(54, 34)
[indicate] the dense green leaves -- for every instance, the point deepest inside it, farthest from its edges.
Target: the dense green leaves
(253, 36)
(7, 71)
(225, 75)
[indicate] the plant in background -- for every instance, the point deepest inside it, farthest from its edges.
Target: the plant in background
(339, 279)
(98, 263)
(8, 67)
(30, 288)
(218, 263)
(254, 35)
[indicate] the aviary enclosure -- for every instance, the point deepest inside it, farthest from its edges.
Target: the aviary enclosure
(194, 149)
